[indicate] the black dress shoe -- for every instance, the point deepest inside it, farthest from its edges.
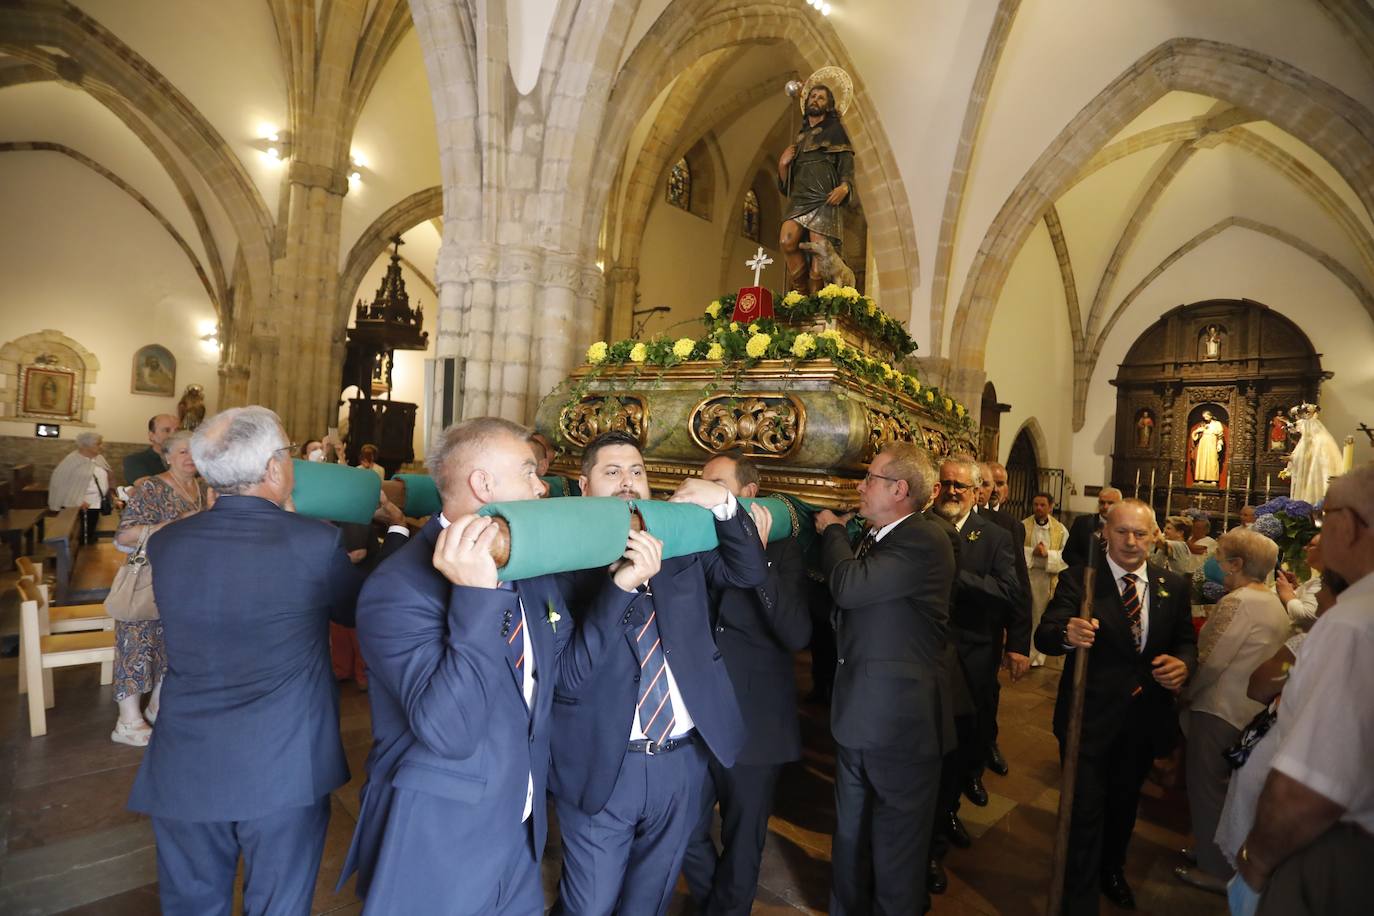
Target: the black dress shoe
(996, 762)
(937, 882)
(975, 792)
(1115, 889)
(956, 832)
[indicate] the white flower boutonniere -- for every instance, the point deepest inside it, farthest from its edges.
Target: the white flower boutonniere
(975, 535)
(553, 617)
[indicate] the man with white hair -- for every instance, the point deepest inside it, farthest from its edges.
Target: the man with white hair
(247, 745)
(1312, 842)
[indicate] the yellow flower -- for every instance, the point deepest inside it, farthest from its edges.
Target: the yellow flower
(803, 345)
(833, 335)
(734, 325)
(754, 328)
(792, 298)
(849, 293)
(949, 405)
(638, 353)
(683, 348)
(959, 410)
(596, 352)
(872, 307)
(829, 291)
(715, 351)
(917, 384)
(888, 371)
(714, 309)
(930, 396)
(757, 345)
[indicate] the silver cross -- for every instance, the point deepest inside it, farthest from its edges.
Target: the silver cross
(758, 262)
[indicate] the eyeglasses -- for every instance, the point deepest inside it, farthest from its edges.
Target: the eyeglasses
(871, 476)
(1320, 514)
(956, 486)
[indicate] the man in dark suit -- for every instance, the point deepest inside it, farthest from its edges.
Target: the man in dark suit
(757, 631)
(1143, 650)
(246, 749)
(1085, 527)
(464, 669)
(631, 744)
(891, 613)
(1016, 654)
(986, 587)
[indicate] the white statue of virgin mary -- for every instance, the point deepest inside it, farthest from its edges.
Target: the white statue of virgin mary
(1315, 459)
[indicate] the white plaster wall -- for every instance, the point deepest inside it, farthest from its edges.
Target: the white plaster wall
(1241, 264)
(81, 257)
(1030, 351)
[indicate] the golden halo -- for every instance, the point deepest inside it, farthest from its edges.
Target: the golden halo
(839, 84)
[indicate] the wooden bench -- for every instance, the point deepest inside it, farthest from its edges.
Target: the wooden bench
(24, 493)
(19, 529)
(44, 651)
(69, 618)
(64, 540)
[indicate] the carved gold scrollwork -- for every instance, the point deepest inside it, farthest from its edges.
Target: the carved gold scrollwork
(762, 426)
(885, 428)
(594, 414)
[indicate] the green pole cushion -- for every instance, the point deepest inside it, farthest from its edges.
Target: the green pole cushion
(335, 492)
(422, 495)
(560, 535)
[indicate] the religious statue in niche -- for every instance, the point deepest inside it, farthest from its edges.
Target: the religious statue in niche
(816, 175)
(1207, 449)
(1144, 429)
(1211, 342)
(1316, 457)
(1278, 431)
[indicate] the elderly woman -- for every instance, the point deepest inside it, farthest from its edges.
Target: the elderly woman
(1171, 546)
(82, 479)
(1248, 626)
(140, 659)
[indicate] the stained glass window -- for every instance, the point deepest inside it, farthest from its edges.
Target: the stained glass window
(749, 221)
(680, 185)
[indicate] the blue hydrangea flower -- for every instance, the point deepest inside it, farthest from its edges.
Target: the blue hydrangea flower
(1298, 508)
(1269, 526)
(1212, 592)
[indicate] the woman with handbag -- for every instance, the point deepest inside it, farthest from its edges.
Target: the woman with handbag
(140, 658)
(1247, 627)
(82, 478)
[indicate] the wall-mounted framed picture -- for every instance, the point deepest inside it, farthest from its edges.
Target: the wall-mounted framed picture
(49, 391)
(155, 372)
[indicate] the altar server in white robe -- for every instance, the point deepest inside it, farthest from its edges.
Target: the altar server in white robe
(1044, 546)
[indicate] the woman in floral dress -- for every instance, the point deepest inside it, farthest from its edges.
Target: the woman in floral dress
(140, 657)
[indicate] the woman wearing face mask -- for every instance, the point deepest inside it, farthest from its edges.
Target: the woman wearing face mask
(312, 451)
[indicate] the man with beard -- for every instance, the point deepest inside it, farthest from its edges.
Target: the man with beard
(816, 175)
(986, 588)
(891, 613)
(631, 743)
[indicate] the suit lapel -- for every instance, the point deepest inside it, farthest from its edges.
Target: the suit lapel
(1161, 613)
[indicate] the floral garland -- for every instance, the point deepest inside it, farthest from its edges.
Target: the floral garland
(831, 301)
(739, 347)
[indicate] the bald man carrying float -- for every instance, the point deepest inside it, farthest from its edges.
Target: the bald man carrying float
(1143, 650)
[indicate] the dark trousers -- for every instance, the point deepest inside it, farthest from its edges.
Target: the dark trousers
(90, 523)
(823, 652)
(954, 770)
(1106, 795)
(725, 882)
(980, 662)
(196, 862)
(884, 801)
(626, 857)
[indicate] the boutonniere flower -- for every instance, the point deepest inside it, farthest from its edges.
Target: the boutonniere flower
(553, 617)
(1160, 590)
(975, 535)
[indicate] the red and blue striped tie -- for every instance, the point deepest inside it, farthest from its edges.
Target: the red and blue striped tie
(656, 717)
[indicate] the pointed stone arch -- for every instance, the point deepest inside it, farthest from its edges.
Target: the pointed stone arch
(401, 217)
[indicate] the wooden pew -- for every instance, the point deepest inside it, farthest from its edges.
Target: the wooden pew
(24, 493)
(19, 528)
(64, 540)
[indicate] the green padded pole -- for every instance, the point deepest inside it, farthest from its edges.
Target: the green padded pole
(422, 495)
(561, 535)
(335, 492)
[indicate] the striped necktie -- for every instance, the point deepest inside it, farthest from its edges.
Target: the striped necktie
(866, 544)
(1130, 599)
(515, 643)
(655, 708)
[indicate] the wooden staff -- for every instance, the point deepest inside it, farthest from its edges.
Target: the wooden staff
(1072, 739)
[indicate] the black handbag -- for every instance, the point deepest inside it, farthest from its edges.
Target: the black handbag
(1259, 726)
(106, 504)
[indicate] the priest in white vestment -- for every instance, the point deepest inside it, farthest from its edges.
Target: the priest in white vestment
(1044, 546)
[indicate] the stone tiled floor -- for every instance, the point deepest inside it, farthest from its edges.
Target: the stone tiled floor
(67, 845)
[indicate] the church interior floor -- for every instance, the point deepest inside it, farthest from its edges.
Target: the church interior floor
(67, 844)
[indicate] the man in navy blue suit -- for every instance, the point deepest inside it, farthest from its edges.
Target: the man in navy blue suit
(247, 747)
(463, 673)
(630, 746)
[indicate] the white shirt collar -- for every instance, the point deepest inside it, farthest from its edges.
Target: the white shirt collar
(1119, 571)
(882, 532)
(960, 524)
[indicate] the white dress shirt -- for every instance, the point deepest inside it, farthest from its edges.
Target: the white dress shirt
(526, 685)
(1142, 588)
(883, 531)
(682, 719)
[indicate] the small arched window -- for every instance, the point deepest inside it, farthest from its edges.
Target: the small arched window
(680, 185)
(750, 219)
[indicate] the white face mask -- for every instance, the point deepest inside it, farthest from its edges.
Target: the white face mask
(316, 454)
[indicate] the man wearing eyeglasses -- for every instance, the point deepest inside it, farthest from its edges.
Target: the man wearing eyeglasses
(891, 613)
(1313, 836)
(987, 589)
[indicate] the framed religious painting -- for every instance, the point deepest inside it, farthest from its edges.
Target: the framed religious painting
(49, 391)
(155, 372)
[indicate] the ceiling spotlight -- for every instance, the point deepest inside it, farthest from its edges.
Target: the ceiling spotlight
(273, 152)
(355, 176)
(358, 159)
(825, 9)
